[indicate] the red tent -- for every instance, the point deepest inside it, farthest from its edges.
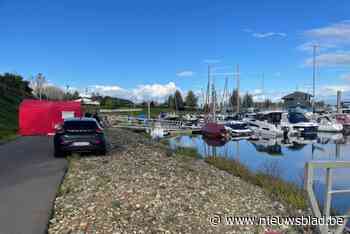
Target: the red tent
(40, 117)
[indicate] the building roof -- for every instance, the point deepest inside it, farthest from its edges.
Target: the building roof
(296, 94)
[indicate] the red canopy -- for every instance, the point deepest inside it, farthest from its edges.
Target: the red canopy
(40, 117)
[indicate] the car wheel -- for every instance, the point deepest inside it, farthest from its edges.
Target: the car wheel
(58, 153)
(102, 152)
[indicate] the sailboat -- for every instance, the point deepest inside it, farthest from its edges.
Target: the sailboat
(211, 128)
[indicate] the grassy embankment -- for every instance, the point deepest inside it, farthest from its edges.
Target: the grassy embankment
(8, 116)
(13, 89)
(285, 192)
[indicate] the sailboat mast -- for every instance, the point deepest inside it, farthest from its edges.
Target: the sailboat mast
(207, 97)
(238, 101)
(214, 102)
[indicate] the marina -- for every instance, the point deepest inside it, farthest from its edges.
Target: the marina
(287, 158)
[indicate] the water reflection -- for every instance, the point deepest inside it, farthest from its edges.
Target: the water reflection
(290, 156)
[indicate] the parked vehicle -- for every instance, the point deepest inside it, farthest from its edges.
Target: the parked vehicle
(79, 135)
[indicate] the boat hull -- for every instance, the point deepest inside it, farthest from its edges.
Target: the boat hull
(214, 130)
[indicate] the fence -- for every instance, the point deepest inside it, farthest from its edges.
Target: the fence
(309, 181)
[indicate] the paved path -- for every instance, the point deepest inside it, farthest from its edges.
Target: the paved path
(29, 178)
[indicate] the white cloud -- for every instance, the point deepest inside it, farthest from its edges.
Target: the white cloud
(269, 34)
(332, 36)
(330, 59)
(155, 92)
(331, 90)
(264, 34)
(338, 32)
(308, 46)
(185, 73)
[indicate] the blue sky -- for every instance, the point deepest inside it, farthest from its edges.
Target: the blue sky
(149, 48)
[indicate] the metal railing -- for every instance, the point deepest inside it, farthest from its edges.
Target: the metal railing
(309, 182)
(134, 122)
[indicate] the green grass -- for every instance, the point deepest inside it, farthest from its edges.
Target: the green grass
(186, 152)
(7, 135)
(8, 116)
(285, 192)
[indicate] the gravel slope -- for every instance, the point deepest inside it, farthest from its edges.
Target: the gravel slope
(140, 188)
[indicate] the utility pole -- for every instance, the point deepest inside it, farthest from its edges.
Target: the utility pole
(238, 101)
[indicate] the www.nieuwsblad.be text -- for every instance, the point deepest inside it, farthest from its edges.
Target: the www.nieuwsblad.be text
(276, 220)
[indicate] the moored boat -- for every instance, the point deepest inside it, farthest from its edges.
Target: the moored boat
(214, 130)
(238, 129)
(344, 120)
(326, 124)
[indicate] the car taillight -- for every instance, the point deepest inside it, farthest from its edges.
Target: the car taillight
(64, 142)
(98, 130)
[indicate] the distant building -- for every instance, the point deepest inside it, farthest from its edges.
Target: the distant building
(297, 98)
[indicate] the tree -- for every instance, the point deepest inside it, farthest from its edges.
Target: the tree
(71, 96)
(38, 84)
(267, 103)
(233, 98)
(14, 84)
(247, 101)
(51, 92)
(179, 103)
(191, 100)
(171, 102)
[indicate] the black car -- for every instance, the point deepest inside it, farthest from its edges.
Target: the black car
(79, 135)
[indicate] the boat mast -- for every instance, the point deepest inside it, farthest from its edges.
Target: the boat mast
(314, 76)
(214, 102)
(238, 101)
(224, 101)
(207, 97)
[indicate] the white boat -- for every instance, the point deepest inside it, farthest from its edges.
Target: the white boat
(190, 117)
(266, 123)
(280, 123)
(300, 125)
(238, 129)
(327, 124)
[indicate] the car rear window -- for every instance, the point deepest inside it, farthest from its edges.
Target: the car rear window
(80, 125)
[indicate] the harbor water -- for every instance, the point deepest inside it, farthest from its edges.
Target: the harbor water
(286, 158)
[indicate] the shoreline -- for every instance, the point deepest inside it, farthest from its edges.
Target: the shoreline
(141, 186)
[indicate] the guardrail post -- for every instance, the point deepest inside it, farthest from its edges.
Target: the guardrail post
(328, 197)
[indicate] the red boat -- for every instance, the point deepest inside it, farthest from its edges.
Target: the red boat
(214, 130)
